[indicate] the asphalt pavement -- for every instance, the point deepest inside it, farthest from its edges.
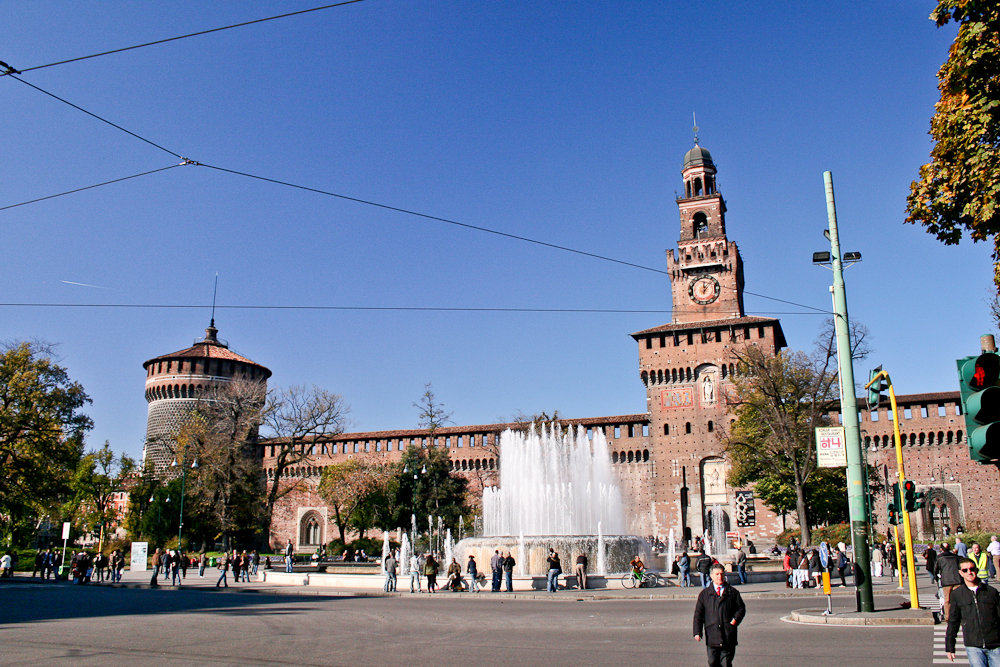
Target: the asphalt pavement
(248, 624)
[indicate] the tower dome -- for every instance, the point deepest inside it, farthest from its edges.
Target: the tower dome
(697, 157)
(176, 381)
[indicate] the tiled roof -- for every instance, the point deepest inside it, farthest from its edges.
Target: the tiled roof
(209, 348)
(909, 399)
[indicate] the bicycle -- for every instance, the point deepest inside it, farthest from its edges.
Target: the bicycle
(642, 580)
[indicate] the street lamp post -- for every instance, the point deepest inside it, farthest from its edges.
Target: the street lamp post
(180, 524)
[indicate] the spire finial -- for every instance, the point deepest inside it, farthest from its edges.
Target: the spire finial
(214, 293)
(695, 128)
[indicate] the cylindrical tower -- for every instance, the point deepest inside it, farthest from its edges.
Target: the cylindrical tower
(176, 381)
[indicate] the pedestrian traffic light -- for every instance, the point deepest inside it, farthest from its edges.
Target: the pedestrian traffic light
(910, 496)
(893, 515)
(920, 500)
(895, 507)
(875, 395)
(981, 404)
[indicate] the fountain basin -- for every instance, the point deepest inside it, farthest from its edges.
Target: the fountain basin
(619, 550)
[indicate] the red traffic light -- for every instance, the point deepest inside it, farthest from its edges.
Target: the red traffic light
(909, 486)
(982, 372)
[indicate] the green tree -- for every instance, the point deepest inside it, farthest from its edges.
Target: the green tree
(426, 486)
(41, 430)
(98, 477)
(352, 488)
(959, 190)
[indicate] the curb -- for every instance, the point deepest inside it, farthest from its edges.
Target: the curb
(910, 617)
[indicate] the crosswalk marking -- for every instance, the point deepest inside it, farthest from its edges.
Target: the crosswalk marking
(939, 655)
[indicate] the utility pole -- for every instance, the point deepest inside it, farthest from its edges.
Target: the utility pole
(849, 410)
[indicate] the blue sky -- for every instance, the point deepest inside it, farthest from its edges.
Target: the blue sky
(563, 122)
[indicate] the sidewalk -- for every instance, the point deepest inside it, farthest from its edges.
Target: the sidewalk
(882, 587)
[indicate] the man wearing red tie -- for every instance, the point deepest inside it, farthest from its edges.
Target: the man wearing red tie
(717, 614)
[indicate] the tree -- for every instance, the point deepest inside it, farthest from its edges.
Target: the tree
(958, 191)
(297, 418)
(220, 437)
(41, 429)
(432, 414)
(348, 488)
(780, 400)
(426, 486)
(98, 477)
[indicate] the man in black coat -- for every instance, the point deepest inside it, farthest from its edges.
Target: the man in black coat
(702, 564)
(946, 569)
(717, 615)
(976, 607)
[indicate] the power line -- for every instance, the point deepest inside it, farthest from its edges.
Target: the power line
(90, 187)
(617, 311)
(174, 39)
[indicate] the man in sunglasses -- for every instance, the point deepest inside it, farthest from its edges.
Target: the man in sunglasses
(976, 607)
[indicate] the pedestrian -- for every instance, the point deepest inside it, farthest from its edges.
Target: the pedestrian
(390, 574)
(581, 571)
(877, 558)
(175, 567)
(39, 563)
(245, 566)
(976, 608)
(224, 566)
(202, 558)
(961, 549)
(704, 564)
(430, 571)
(842, 566)
(684, 563)
(890, 559)
(555, 569)
(185, 562)
(49, 560)
(473, 571)
(949, 578)
(508, 571)
(802, 573)
(816, 568)
(6, 565)
(415, 573)
(454, 576)
(930, 560)
(717, 615)
(289, 552)
(496, 565)
(255, 560)
(157, 564)
(741, 564)
(981, 558)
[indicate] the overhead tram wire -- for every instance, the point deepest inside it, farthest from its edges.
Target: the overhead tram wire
(90, 187)
(426, 216)
(611, 311)
(174, 39)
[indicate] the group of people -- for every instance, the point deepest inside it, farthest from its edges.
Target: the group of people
(969, 602)
(804, 568)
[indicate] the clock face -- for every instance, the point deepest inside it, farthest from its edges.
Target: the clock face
(704, 290)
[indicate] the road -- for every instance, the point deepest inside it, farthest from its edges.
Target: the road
(61, 624)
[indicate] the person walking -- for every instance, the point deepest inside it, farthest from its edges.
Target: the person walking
(717, 616)
(930, 561)
(175, 570)
(39, 563)
(877, 558)
(255, 560)
(842, 566)
(684, 563)
(946, 569)
(976, 608)
(167, 560)
(224, 566)
(390, 574)
(581, 571)
(704, 564)
(981, 559)
(802, 572)
(202, 562)
(157, 564)
(289, 551)
(555, 569)
(741, 564)
(496, 565)
(473, 572)
(245, 566)
(415, 573)
(508, 571)
(454, 577)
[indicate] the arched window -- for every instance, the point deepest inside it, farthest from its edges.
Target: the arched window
(630, 457)
(687, 188)
(958, 436)
(711, 426)
(724, 370)
(687, 427)
(311, 530)
(659, 377)
(666, 429)
(614, 457)
(645, 455)
(913, 439)
(698, 191)
(645, 377)
(673, 375)
(940, 439)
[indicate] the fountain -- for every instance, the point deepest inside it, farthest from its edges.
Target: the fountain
(671, 550)
(385, 550)
(404, 555)
(449, 548)
(557, 490)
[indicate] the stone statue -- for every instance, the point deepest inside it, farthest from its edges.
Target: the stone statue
(708, 390)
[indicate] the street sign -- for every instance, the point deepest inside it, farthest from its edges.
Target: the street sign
(746, 515)
(831, 447)
(65, 530)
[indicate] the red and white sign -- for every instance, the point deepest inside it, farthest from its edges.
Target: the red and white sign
(831, 447)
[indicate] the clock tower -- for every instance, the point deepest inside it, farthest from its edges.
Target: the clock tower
(707, 274)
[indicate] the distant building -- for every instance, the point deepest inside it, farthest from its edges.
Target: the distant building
(175, 382)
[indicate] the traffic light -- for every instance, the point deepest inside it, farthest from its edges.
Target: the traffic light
(920, 500)
(895, 506)
(875, 396)
(910, 496)
(981, 404)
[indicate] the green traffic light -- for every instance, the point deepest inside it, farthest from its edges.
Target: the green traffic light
(978, 377)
